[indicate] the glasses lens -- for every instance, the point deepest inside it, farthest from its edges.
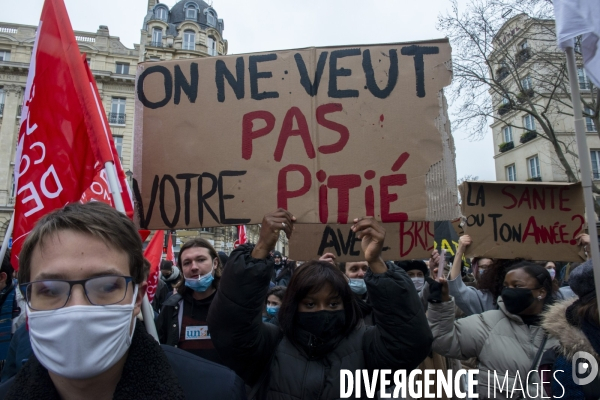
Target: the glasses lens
(47, 295)
(106, 290)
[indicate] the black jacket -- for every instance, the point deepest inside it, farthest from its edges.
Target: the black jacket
(400, 340)
(149, 373)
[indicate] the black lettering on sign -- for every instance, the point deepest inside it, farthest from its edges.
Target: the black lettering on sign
(223, 197)
(186, 196)
(326, 243)
(348, 244)
(181, 83)
(494, 218)
(418, 52)
(480, 196)
(145, 219)
(370, 74)
(311, 88)
(168, 84)
(203, 196)
(163, 212)
(334, 73)
(237, 84)
(255, 76)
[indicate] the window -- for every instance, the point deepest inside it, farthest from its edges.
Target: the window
(578, 45)
(511, 173)
(589, 123)
(160, 13)
(1, 101)
(117, 111)
(523, 45)
(4, 55)
(507, 134)
(212, 46)
(595, 155)
(154, 58)
(210, 18)
(119, 146)
(191, 12)
(157, 37)
(526, 83)
(584, 82)
(533, 165)
(189, 40)
(529, 122)
(122, 68)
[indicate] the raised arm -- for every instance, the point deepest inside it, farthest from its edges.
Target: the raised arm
(234, 319)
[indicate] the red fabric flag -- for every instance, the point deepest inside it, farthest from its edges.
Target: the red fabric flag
(55, 162)
(153, 253)
(242, 238)
(170, 251)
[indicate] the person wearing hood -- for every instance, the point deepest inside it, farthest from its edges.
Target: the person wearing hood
(417, 271)
(182, 320)
(576, 325)
(278, 265)
(169, 274)
(509, 340)
(320, 330)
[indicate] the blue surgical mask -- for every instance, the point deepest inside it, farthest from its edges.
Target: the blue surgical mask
(358, 286)
(200, 284)
(272, 311)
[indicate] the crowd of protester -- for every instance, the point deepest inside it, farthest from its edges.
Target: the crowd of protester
(254, 324)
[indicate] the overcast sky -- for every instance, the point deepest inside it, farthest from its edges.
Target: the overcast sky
(264, 25)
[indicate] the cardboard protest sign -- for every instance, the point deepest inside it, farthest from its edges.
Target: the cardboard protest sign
(327, 133)
(403, 241)
(535, 221)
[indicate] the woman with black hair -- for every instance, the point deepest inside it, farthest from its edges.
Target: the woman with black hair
(506, 340)
(320, 329)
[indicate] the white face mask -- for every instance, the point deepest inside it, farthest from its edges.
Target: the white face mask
(419, 283)
(552, 273)
(80, 342)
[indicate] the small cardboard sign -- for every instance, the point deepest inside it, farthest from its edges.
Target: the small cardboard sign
(534, 221)
(326, 133)
(403, 241)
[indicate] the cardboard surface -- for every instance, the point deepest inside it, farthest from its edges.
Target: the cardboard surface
(403, 241)
(328, 133)
(535, 221)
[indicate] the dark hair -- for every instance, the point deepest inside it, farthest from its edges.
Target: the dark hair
(541, 275)
(199, 242)
(95, 219)
(288, 270)
(7, 267)
(342, 266)
(310, 279)
(493, 279)
(278, 291)
(166, 265)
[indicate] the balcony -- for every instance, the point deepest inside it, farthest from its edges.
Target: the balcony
(504, 108)
(506, 146)
(535, 179)
(156, 44)
(524, 95)
(523, 56)
(528, 136)
(116, 118)
(502, 73)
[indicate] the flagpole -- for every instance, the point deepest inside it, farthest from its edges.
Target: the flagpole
(584, 165)
(7, 236)
(147, 311)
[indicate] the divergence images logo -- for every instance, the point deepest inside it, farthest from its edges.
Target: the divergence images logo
(589, 368)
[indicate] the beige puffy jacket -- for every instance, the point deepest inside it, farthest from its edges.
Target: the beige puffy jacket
(500, 341)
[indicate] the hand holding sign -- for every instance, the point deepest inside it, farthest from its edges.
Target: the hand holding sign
(272, 224)
(328, 257)
(372, 235)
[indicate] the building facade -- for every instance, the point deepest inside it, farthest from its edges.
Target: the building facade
(189, 29)
(527, 64)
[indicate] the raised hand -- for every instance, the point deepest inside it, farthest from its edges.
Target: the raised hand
(272, 224)
(372, 235)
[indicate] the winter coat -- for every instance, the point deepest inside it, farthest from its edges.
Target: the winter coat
(400, 340)
(149, 373)
(500, 341)
(470, 299)
(169, 323)
(571, 340)
(173, 279)
(18, 353)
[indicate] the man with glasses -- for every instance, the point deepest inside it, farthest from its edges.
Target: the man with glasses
(82, 273)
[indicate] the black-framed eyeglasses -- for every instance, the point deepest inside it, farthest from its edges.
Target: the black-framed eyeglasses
(52, 294)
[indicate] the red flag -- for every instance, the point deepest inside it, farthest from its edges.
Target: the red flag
(153, 253)
(55, 162)
(170, 252)
(242, 238)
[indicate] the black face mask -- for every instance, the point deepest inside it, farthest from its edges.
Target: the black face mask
(516, 300)
(322, 324)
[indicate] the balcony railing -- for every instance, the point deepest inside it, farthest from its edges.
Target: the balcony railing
(116, 118)
(156, 44)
